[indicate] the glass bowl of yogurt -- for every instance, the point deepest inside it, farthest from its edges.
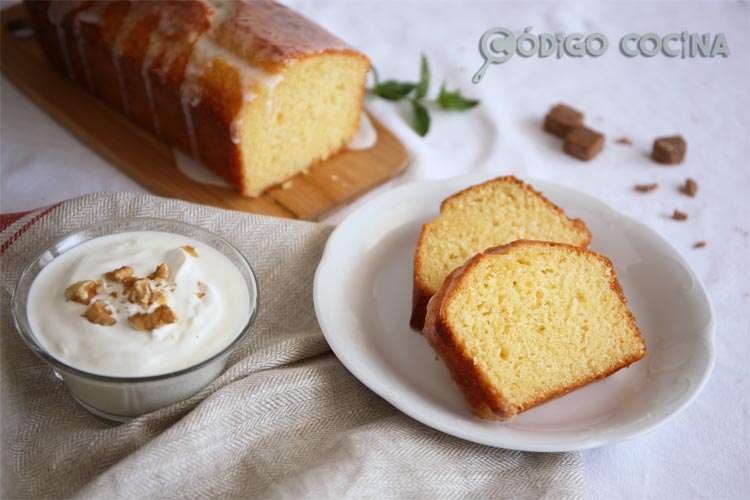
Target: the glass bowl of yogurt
(136, 314)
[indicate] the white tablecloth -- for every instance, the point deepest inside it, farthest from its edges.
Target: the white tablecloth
(703, 452)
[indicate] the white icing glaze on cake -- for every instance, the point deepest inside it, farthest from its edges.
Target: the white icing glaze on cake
(197, 171)
(56, 13)
(366, 136)
(131, 19)
(92, 15)
(204, 51)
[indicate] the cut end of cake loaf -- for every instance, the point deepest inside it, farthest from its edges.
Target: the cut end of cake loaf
(480, 217)
(312, 113)
(530, 321)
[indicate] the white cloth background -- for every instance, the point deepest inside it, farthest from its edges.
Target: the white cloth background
(702, 453)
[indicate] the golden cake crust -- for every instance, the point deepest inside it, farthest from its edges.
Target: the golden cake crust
(105, 45)
(271, 35)
(470, 380)
(421, 294)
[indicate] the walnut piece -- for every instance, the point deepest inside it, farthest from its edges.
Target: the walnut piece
(99, 314)
(190, 250)
(160, 297)
(141, 293)
(161, 316)
(120, 275)
(646, 188)
(160, 273)
(128, 283)
(690, 188)
(81, 292)
(677, 215)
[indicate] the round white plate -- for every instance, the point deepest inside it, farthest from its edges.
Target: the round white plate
(362, 296)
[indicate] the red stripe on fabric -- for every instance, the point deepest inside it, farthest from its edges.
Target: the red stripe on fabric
(7, 219)
(26, 227)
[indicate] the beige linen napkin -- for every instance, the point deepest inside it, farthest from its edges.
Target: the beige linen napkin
(285, 419)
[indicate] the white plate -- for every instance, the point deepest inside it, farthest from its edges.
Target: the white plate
(363, 299)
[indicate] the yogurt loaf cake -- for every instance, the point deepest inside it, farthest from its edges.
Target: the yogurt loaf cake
(494, 213)
(521, 324)
(251, 89)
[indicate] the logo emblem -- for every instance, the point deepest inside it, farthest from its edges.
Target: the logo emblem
(497, 45)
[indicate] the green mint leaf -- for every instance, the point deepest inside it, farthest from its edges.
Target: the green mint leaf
(420, 119)
(424, 79)
(454, 100)
(393, 90)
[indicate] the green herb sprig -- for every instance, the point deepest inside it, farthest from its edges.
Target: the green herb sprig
(416, 93)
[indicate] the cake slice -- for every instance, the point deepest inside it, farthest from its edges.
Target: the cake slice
(486, 215)
(530, 321)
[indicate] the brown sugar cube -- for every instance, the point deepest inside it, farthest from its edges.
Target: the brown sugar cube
(669, 150)
(583, 143)
(561, 119)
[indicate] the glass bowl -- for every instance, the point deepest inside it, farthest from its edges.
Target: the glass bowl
(123, 398)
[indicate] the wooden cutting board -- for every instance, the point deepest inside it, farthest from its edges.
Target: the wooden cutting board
(150, 162)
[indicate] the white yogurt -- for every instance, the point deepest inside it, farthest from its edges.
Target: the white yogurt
(207, 293)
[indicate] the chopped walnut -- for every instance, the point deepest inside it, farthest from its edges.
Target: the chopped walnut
(160, 273)
(699, 244)
(141, 293)
(120, 275)
(81, 292)
(690, 188)
(161, 316)
(128, 283)
(677, 215)
(99, 314)
(190, 250)
(160, 297)
(646, 188)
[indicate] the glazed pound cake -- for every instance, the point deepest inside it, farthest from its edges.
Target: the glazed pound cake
(490, 214)
(530, 321)
(251, 89)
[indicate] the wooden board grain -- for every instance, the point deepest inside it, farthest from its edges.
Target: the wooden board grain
(150, 161)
